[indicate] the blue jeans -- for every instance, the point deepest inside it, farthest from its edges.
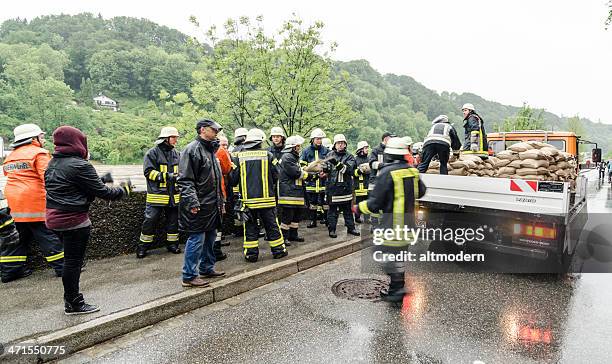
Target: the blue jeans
(199, 251)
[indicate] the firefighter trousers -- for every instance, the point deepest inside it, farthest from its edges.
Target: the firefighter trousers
(332, 218)
(316, 205)
(290, 221)
(267, 217)
(152, 215)
(14, 255)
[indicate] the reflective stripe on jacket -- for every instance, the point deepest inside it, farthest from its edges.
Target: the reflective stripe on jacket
(25, 186)
(256, 176)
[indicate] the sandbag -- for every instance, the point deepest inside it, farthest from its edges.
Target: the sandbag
(526, 171)
(532, 163)
(520, 147)
(543, 171)
(489, 172)
(515, 164)
(532, 154)
(457, 164)
(505, 175)
(433, 171)
(507, 154)
(563, 165)
(532, 177)
(365, 168)
(503, 163)
(553, 168)
(506, 170)
(434, 165)
(458, 172)
(548, 150)
(315, 166)
(562, 173)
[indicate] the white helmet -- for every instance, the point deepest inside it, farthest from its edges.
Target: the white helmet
(362, 144)
(468, 106)
(441, 119)
(317, 133)
(240, 132)
(277, 131)
(293, 141)
(26, 131)
(255, 135)
(339, 138)
(407, 140)
(417, 146)
(396, 146)
(326, 142)
(168, 131)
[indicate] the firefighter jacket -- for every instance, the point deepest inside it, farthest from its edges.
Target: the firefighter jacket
(474, 125)
(443, 133)
(233, 153)
(277, 152)
(362, 179)
(291, 180)
(398, 186)
(340, 181)
(25, 186)
(161, 171)
(200, 184)
(310, 154)
(376, 162)
(256, 176)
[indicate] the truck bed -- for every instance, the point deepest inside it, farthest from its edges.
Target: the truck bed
(537, 197)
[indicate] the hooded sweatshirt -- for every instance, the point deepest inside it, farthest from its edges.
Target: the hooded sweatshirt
(68, 141)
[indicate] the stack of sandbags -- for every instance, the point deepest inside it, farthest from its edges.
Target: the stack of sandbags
(467, 165)
(536, 161)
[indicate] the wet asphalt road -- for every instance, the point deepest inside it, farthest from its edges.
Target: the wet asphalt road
(458, 317)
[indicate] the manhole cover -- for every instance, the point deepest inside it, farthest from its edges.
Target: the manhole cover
(359, 288)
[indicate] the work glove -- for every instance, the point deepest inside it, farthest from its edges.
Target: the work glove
(339, 166)
(332, 161)
(127, 186)
(107, 178)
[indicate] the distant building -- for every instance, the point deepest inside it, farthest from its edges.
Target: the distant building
(103, 101)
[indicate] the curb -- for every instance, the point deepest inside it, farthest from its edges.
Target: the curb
(90, 333)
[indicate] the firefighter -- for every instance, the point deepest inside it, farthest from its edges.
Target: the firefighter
(362, 175)
(239, 137)
(277, 137)
(376, 158)
(11, 269)
(315, 188)
(291, 189)
(475, 134)
(161, 167)
(326, 143)
(25, 192)
(256, 175)
(441, 138)
(341, 165)
(397, 187)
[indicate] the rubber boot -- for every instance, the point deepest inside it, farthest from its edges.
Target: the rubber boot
(279, 251)
(174, 248)
(396, 291)
(141, 251)
(219, 255)
(287, 235)
(353, 231)
(77, 306)
(294, 237)
(313, 223)
(251, 254)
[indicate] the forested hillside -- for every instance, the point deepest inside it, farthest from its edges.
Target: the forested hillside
(51, 68)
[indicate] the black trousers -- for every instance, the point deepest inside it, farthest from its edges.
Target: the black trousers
(332, 216)
(316, 202)
(75, 243)
(430, 151)
(290, 217)
(50, 245)
(152, 215)
(267, 217)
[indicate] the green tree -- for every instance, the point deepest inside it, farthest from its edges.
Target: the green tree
(526, 119)
(575, 125)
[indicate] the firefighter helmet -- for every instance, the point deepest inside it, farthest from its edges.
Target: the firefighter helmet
(326, 142)
(168, 131)
(362, 144)
(26, 131)
(339, 138)
(468, 106)
(396, 146)
(317, 133)
(255, 135)
(293, 141)
(240, 132)
(407, 140)
(278, 131)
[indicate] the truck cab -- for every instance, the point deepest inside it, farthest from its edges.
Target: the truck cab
(565, 141)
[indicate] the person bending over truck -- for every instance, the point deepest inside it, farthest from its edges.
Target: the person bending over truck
(439, 141)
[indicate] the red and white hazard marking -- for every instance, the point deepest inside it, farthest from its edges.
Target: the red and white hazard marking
(521, 185)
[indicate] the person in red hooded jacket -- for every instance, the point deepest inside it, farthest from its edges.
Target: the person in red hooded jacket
(72, 184)
(24, 168)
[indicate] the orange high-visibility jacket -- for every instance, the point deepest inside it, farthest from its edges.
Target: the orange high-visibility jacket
(25, 186)
(225, 161)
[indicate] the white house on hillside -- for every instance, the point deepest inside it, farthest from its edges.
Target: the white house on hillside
(103, 101)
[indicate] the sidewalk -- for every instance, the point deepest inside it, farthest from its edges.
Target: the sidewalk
(33, 306)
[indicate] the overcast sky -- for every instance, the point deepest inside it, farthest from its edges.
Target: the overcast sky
(554, 54)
